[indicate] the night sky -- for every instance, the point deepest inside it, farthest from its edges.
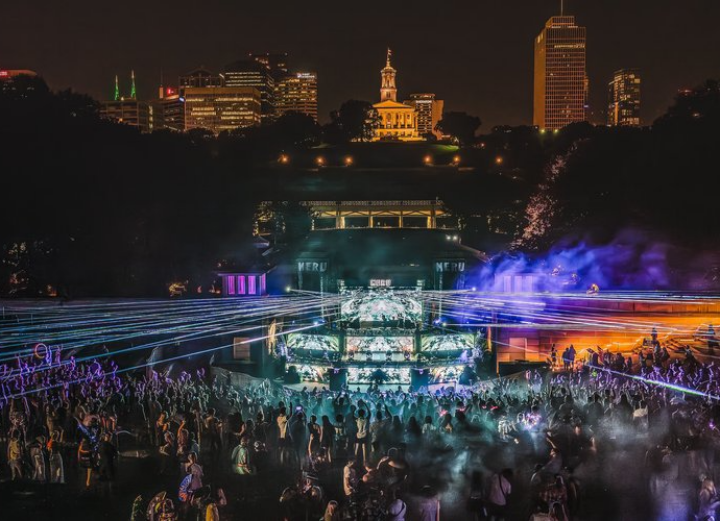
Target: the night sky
(478, 56)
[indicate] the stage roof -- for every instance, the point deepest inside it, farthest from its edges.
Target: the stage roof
(398, 247)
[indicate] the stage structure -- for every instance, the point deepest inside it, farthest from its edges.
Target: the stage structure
(381, 335)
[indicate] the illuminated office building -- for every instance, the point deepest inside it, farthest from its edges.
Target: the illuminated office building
(624, 99)
(429, 113)
(169, 109)
(277, 63)
(128, 110)
(252, 73)
(8, 77)
(9, 74)
(560, 87)
(221, 108)
(297, 93)
(396, 121)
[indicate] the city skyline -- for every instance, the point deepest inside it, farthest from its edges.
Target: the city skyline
(497, 86)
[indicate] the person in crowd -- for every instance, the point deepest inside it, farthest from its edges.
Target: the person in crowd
(37, 456)
(15, 456)
(429, 505)
(195, 470)
(332, 511)
(55, 460)
(361, 435)
(107, 456)
(576, 419)
(708, 501)
(87, 459)
(327, 438)
(397, 509)
(498, 495)
(241, 458)
(284, 440)
(350, 479)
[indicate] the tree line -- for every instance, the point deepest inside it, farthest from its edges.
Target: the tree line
(93, 207)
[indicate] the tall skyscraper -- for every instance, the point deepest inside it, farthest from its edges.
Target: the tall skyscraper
(624, 99)
(429, 112)
(256, 74)
(221, 108)
(560, 86)
(297, 93)
(277, 62)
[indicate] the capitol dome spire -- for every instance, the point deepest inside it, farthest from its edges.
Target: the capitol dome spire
(388, 90)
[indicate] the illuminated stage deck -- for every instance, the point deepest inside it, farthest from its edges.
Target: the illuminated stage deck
(360, 333)
(450, 329)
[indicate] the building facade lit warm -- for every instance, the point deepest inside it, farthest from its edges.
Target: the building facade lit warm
(297, 92)
(169, 109)
(221, 108)
(560, 86)
(8, 78)
(252, 73)
(396, 121)
(8, 74)
(624, 99)
(129, 112)
(429, 113)
(276, 62)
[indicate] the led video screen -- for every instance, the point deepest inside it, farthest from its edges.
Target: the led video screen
(313, 342)
(436, 343)
(381, 306)
(379, 344)
(447, 374)
(311, 373)
(366, 375)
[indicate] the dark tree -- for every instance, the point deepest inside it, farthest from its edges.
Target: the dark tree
(459, 125)
(354, 121)
(702, 102)
(294, 129)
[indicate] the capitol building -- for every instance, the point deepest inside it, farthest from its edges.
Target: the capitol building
(396, 121)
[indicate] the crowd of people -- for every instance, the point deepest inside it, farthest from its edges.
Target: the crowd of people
(612, 440)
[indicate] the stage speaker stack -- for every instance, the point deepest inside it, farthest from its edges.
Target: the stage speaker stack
(291, 376)
(419, 378)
